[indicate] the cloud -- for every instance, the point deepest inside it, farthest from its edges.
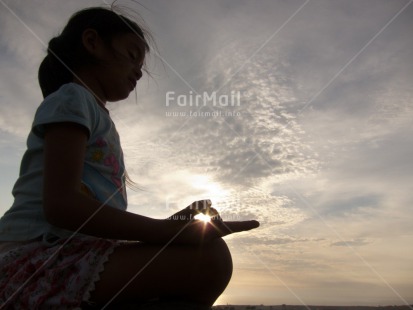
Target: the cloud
(350, 243)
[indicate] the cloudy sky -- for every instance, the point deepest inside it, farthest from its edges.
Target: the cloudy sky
(310, 133)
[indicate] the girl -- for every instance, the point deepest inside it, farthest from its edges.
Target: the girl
(68, 240)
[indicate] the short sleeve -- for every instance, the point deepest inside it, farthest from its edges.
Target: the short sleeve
(71, 103)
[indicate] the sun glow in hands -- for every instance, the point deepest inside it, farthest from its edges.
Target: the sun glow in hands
(203, 217)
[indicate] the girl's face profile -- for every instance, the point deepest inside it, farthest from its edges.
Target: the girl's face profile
(121, 66)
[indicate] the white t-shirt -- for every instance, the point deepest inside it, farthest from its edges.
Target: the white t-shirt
(103, 173)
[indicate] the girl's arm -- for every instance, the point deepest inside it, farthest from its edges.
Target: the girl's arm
(65, 205)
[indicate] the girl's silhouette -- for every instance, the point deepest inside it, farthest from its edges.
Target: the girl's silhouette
(68, 240)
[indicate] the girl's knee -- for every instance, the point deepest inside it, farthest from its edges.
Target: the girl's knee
(220, 248)
(218, 260)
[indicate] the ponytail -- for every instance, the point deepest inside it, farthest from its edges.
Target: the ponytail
(55, 69)
(64, 54)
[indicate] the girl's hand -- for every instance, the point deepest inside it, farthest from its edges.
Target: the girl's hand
(198, 231)
(200, 206)
(186, 229)
(189, 230)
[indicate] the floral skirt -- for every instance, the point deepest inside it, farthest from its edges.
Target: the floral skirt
(38, 276)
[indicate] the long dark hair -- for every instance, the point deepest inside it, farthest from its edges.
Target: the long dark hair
(66, 52)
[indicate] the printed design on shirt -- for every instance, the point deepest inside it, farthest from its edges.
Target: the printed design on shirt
(111, 161)
(86, 190)
(103, 152)
(97, 154)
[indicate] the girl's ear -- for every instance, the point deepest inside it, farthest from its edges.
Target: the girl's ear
(92, 42)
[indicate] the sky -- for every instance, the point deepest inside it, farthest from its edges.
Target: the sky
(310, 133)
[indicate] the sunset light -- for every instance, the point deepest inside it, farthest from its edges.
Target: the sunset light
(203, 217)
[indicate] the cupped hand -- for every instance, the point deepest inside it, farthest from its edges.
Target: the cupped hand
(224, 228)
(189, 230)
(197, 231)
(199, 206)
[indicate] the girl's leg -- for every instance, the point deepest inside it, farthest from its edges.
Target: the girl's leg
(192, 273)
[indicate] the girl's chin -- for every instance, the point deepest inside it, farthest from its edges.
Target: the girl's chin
(120, 96)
